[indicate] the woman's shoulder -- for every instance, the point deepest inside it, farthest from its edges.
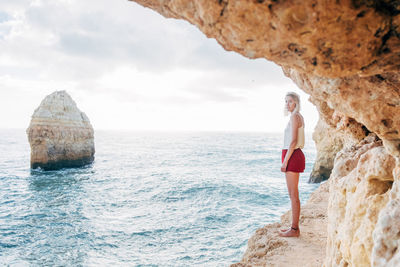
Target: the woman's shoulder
(297, 118)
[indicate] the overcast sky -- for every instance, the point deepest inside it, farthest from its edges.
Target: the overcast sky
(127, 67)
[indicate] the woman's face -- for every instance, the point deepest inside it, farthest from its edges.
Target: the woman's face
(290, 103)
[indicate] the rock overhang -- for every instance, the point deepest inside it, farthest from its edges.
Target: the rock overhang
(345, 54)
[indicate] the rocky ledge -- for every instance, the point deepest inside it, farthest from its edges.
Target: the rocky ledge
(60, 135)
(266, 248)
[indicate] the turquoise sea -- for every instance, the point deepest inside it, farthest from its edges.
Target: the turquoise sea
(149, 199)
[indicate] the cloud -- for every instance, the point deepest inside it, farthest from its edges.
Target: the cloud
(121, 53)
(85, 40)
(78, 39)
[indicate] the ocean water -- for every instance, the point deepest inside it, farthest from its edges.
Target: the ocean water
(149, 199)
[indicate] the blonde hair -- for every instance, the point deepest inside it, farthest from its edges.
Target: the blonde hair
(296, 99)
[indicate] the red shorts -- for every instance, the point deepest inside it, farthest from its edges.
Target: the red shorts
(297, 162)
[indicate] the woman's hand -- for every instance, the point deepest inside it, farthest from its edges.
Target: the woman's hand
(283, 167)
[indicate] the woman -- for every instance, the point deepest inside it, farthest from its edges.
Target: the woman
(293, 160)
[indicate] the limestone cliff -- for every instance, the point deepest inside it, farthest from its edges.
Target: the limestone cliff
(359, 189)
(328, 144)
(60, 135)
(345, 54)
(326, 38)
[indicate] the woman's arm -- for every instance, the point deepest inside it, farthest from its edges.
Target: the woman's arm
(295, 121)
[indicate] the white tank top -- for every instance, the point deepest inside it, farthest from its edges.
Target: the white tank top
(288, 136)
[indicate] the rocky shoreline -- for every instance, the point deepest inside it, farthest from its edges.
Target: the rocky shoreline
(267, 248)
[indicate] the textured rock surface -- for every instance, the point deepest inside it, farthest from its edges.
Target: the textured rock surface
(328, 143)
(266, 248)
(386, 236)
(345, 54)
(360, 185)
(327, 38)
(60, 135)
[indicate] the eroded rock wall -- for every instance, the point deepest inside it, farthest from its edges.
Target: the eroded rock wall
(360, 185)
(328, 143)
(60, 135)
(386, 235)
(326, 38)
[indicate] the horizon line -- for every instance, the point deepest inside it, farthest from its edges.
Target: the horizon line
(172, 130)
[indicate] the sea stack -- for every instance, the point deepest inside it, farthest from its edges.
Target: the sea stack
(60, 135)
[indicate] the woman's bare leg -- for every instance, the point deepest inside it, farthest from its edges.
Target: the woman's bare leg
(292, 182)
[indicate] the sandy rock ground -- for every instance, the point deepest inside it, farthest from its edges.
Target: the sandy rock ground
(267, 248)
